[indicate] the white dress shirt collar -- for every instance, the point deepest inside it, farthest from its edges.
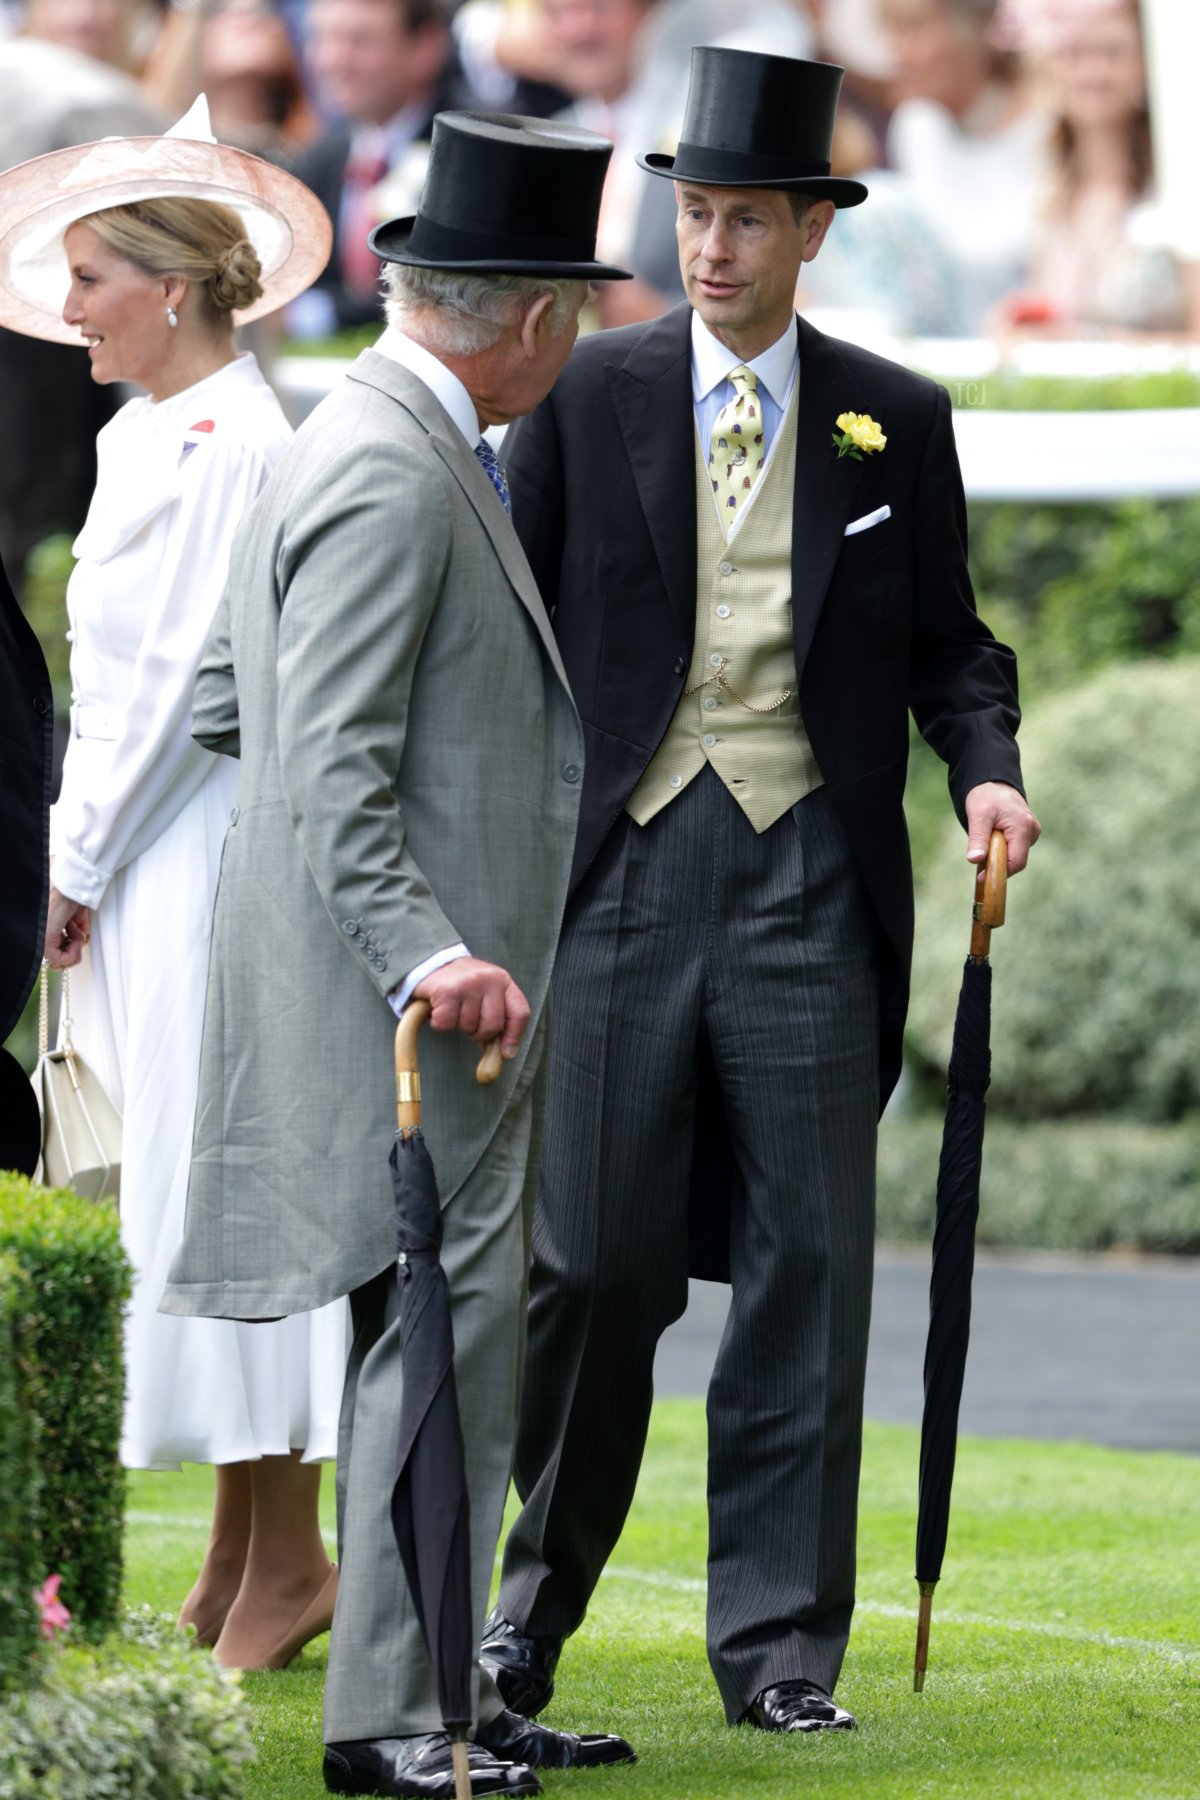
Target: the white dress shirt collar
(441, 382)
(712, 360)
(388, 140)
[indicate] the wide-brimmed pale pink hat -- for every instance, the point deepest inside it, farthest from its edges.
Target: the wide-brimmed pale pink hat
(39, 200)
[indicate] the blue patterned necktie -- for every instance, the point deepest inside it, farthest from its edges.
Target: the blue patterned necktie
(495, 473)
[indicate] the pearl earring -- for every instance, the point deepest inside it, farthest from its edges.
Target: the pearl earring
(172, 317)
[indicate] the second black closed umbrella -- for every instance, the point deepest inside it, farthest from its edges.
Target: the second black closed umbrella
(954, 1240)
(430, 1506)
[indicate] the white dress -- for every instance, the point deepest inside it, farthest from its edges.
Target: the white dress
(137, 835)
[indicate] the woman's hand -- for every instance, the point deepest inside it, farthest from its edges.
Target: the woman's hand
(68, 927)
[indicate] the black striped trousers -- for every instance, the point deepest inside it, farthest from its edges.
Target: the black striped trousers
(695, 932)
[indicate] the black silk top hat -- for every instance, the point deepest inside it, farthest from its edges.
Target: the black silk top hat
(759, 121)
(506, 196)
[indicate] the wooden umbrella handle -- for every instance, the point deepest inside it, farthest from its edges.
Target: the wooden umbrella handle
(408, 1075)
(991, 887)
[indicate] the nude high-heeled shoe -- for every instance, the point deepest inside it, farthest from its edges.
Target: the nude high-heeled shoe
(316, 1618)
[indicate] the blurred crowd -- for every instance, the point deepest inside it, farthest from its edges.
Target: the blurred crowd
(1007, 145)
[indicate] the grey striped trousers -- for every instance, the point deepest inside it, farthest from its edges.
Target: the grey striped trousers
(696, 935)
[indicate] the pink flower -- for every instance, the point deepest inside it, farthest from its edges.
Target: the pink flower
(54, 1615)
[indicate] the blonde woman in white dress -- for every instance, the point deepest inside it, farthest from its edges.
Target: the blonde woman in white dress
(154, 286)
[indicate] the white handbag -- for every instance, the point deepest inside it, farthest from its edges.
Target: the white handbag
(81, 1128)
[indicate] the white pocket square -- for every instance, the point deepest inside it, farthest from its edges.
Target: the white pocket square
(868, 519)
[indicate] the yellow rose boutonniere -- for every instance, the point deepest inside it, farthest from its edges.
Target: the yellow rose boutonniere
(860, 435)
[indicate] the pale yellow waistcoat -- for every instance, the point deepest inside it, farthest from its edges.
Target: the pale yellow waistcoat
(733, 714)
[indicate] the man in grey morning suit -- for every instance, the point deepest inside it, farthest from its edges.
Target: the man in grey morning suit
(410, 778)
(748, 602)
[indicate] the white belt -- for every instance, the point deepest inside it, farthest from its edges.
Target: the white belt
(97, 722)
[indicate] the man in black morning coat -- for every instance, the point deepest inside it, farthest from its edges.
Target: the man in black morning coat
(26, 742)
(732, 979)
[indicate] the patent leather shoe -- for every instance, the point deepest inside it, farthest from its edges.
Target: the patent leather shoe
(538, 1747)
(797, 1706)
(419, 1768)
(521, 1665)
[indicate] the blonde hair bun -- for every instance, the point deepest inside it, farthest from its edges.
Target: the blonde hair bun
(202, 240)
(236, 283)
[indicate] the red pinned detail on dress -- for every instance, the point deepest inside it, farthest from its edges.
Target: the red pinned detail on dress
(204, 425)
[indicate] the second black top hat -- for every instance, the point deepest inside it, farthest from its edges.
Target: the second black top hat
(759, 121)
(508, 196)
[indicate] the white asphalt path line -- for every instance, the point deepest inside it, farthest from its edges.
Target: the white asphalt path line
(173, 1521)
(1075, 1634)
(880, 1609)
(182, 1522)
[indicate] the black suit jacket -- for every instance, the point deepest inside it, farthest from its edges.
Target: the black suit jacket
(603, 481)
(26, 755)
(322, 167)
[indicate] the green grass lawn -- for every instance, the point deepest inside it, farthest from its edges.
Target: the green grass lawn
(1065, 1657)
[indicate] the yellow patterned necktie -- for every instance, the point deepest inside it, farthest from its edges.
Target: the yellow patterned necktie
(738, 448)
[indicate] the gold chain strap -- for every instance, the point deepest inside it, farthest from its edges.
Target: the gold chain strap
(44, 1011)
(724, 687)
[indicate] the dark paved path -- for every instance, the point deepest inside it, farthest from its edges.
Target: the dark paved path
(1061, 1347)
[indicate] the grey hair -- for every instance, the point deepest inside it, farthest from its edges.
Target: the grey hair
(464, 313)
(800, 204)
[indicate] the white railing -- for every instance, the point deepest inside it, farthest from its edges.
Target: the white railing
(1005, 455)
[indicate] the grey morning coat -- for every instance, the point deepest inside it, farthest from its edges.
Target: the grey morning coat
(411, 765)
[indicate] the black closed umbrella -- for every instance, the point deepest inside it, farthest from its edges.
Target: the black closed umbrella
(430, 1507)
(954, 1239)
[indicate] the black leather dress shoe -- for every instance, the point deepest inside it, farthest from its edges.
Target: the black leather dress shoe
(419, 1768)
(538, 1747)
(796, 1706)
(522, 1666)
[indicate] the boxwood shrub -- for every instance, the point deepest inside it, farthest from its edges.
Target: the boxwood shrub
(144, 1716)
(1096, 1000)
(1065, 1184)
(73, 1384)
(20, 1570)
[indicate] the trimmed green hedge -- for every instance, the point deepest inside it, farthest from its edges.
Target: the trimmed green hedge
(73, 1385)
(1074, 1184)
(1007, 391)
(146, 1717)
(1073, 588)
(20, 1572)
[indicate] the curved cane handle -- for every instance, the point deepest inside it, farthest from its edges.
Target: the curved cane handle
(408, 1075)
(991, 887)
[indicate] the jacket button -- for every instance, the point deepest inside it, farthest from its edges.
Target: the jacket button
(680, 666)
(234, 816)
(40, 707)
(350, 927)
(571, 772)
